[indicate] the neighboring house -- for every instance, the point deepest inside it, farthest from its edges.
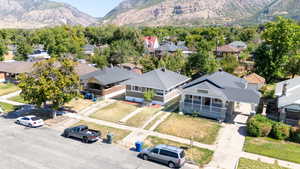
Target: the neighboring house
(9, 70)
(106, 82)
(163, 82)
(239, 45)
(227, 50)
(38, 55)
(137, 68)
(151, 43)
(255, 80)
(214, 96)
(82, 69)
(288, 100)
(171, 47)
(89, 49)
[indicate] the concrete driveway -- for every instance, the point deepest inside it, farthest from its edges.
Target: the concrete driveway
(44, 148)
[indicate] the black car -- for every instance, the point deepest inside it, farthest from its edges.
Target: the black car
(82, 132)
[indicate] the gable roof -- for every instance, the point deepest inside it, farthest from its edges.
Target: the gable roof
(292, 92)
(109, 75)
(16, 67)
(227, 48)
(82, 69)
(255, 79)
(225, 85)
(171, 47)
(161, 79)
(238, 44)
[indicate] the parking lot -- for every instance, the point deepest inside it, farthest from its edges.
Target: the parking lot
(44, 148)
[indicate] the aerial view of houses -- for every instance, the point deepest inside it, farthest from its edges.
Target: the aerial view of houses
(151, 84)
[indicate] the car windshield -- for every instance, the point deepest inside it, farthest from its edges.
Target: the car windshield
(182, 154)
(35, 118)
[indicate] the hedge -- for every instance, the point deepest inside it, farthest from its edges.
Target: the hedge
(259, 126)
(281, 131)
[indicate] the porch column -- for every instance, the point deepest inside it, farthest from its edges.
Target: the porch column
(210, 106)
(282, 115)
(201, 102)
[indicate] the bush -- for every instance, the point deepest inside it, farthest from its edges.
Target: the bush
(259, 126)
(280, 131)
(295, 134)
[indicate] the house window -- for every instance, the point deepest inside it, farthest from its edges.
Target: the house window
(159, 92)
(197, 99)
(138, 89)
(206, 101)
(217, 102)
(188, 99)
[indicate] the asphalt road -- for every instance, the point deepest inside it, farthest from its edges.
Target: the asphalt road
(44, 148)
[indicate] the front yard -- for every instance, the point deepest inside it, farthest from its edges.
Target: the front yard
(7, 107)
(118, 134)
(78, 104)
(114, 112)
(253, 164)
(198, 155)
(6, 88)
(199, 129)
(141, 118)
(18, 98)
(282, 150)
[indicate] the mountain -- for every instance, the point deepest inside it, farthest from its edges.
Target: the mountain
(199, 12)
(40, 13)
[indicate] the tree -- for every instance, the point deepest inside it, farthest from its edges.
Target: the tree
(122, 51)
(149, 95)
(24, 48)
(100, 57)
(3, 49)
(175, 62)
(229, 64)
(52, 81)
(293, 66)
(149, 63)
(281, 40)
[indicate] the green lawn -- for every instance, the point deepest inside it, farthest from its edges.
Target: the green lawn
(199, 129)
(6, 88)
(114, 112)
(282, 150)
(7, 107)
(198, 155)
(118, 134)
(18, 98)
(253, 164)
(141, 118)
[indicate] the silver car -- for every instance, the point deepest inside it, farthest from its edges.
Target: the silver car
(174, 157)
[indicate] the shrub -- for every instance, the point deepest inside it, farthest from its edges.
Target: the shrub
(295, 134)
(280, 131)
(259, 126)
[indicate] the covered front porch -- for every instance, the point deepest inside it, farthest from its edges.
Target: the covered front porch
(105, 91)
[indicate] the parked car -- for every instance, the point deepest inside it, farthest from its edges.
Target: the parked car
(174, 157)
(82, 132)
(30, 121)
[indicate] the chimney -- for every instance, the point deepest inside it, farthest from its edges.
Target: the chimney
(284, 89)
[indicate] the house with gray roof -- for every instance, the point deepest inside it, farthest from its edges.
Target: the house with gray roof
(215, 95)
(106, 82)
(163, 82)
(288, 100)
(171, 47)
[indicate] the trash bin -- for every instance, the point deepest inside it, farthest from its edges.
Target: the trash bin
(109, 138)
(139, 146)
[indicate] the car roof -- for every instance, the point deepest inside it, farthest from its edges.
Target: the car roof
(170, 148)
(30, 116)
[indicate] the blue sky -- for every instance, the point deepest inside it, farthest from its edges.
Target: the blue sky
(97, 8)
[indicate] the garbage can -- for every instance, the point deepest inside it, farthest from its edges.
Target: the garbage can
(94, 99)
(109, 138)
(139, 146)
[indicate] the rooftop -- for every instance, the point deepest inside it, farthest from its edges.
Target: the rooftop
(255, 79)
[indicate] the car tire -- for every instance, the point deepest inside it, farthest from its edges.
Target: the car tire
(145, 157)
(85, 140)
(30, 125)
(18, 122)
(171, 165)
(66, 135)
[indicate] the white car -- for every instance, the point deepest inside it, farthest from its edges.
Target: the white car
(30, 121)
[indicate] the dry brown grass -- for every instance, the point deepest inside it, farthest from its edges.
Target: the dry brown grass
(114, 112)
(155, 120)
(141, 118)
(118, 134)
(200, 129)
(78, 104)
(198, 155)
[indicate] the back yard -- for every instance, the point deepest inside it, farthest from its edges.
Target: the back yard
(283, 150)
(114, 112)
(6, 88)
(198, 155)
(202, 130)
(253, 164)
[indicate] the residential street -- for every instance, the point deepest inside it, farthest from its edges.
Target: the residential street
(44, 148)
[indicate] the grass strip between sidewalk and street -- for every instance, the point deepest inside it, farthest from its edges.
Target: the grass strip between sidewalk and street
(245, 163)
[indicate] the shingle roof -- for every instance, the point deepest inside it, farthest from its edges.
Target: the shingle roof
(238, 44)
(16, 67)
(227, 48)
(82, 69)
(108, 75)
(292, 93)
(161, 79)
(171, 47)
(225, 85)
(255, 79)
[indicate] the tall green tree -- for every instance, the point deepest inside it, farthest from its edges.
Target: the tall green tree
(100, 57)
(52, 81)
(229, 64)
(24, 48)
(281, 40)
(293, 65)
(175, 62)
(3, 49)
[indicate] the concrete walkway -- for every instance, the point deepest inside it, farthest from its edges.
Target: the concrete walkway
(270, 160)
(229, 145)
(16, 93)
(5, 98)
(93, 108)
(137, 111)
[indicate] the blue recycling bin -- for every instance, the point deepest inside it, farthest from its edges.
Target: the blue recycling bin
(139, 146)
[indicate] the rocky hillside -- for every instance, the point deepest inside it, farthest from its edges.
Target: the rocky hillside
(40, 13)
(198, 12)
